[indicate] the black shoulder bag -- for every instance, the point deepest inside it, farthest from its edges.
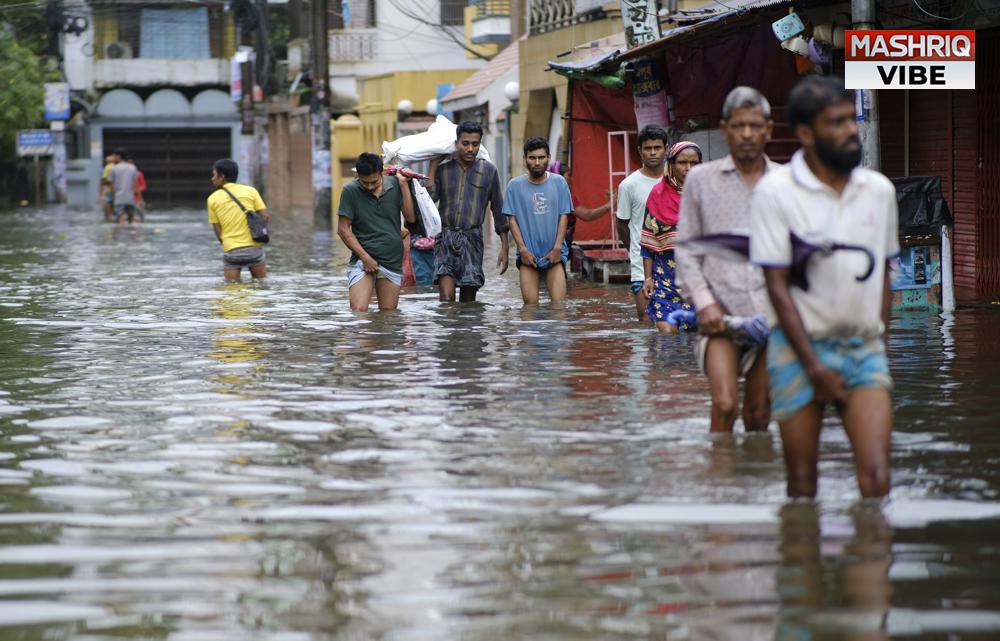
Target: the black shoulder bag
(256, 222)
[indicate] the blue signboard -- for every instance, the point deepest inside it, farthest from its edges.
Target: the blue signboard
(34, 142)
(56, 101)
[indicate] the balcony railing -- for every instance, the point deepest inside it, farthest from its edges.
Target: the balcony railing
(353, 45)
(487, 8)
(549, 15)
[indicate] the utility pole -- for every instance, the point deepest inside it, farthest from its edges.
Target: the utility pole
(863, 16)
(322, 180)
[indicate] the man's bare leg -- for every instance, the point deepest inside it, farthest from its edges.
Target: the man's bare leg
(232, 275)
(259, 271)
(722, 364)
(360, 295)
(446, 289)
(800, 443)
(867, 416)
(467, 294)
(388, 294)
(530, 281)
(555, 281)
(756, 396)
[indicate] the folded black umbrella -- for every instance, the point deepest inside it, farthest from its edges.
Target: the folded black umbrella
(737, 247)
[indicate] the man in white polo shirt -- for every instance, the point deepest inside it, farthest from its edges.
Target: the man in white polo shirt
(828, 341)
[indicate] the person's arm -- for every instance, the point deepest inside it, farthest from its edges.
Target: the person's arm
(647, 284)
(555, 254)
(526, 256)
(346, 234)
(407, 207)
(586, 214)
(624, 205)
(501, 223)
(690, 278)
(432, 173)
(827, 384)
(218, 231)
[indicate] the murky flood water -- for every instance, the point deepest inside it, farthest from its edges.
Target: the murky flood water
(187, 460)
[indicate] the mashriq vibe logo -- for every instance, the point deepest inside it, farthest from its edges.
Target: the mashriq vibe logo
(910, 59)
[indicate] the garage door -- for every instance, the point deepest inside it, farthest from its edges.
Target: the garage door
(177, 163)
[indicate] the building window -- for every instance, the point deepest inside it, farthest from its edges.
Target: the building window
(453, 12)
(362, 14)
(174, 33)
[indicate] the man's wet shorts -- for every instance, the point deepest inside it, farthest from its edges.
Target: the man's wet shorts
(636, 286)
(249, 256)
(356, 271)
(861, 362)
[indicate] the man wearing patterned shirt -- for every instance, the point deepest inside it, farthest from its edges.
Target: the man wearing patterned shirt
(717, 201)
(463, 188)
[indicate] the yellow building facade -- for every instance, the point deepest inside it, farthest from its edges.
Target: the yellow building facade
(379, 96)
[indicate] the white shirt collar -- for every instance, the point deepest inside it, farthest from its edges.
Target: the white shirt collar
(805, 177)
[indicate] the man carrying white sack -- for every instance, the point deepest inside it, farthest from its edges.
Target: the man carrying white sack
(464, 187)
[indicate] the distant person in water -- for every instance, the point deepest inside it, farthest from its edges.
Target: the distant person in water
(124, 180)
(229, 220)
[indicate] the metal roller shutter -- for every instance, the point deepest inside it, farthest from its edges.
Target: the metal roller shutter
(177, 162)
(988, 211)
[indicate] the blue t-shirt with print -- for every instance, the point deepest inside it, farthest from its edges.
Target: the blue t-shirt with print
(537, 209)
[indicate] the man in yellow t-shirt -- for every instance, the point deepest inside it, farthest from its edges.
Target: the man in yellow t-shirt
(107, 198)
(230, 222)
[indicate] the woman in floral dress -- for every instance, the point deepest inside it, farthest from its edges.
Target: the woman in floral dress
(659, 234)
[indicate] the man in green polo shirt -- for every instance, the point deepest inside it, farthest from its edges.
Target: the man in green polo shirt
(369, 224)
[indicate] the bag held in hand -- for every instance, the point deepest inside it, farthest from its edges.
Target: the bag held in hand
(256, 222)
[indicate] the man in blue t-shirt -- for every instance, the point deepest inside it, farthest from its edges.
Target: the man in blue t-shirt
(538, 206)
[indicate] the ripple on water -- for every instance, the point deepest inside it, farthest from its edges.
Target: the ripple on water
(69, 423)
(15, 612)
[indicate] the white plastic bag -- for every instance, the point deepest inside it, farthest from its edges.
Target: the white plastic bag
(428, 210)
(437, 141)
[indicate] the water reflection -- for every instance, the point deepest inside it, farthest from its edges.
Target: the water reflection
(828, 589)
(187, 460)
(238, 343)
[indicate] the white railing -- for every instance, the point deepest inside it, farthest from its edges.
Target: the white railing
(353, 45)
(548, 15)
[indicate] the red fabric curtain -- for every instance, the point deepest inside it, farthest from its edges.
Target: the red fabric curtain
(596, 111)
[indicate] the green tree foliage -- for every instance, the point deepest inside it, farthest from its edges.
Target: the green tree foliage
(21, 91)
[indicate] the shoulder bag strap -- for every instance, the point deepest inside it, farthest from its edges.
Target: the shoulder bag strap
(236, 200)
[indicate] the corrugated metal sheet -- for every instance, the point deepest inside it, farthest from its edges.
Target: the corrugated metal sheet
(964, 188)
(177, 162)
(988, 218)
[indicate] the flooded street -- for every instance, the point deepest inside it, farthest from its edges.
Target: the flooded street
(188, 460)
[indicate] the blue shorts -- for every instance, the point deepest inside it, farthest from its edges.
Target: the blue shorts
(860, 361)
(636, 286)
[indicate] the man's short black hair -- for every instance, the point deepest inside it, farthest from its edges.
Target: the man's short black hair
(652, 132)
(812, 95)
(368, 164)
(469, 127)
(537, 142)
(228, 169)
(121, 152)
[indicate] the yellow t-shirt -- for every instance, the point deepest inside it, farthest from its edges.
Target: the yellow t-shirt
(222, 210)
(106, 175)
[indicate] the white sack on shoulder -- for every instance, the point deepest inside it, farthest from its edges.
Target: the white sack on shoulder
(428, 210)
(438, 140)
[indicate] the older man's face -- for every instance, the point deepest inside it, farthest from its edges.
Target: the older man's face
(747, 132)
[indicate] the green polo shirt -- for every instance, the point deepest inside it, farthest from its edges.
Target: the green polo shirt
(375, 221)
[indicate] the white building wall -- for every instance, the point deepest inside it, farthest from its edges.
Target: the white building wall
(403, 44)
(78, 54)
